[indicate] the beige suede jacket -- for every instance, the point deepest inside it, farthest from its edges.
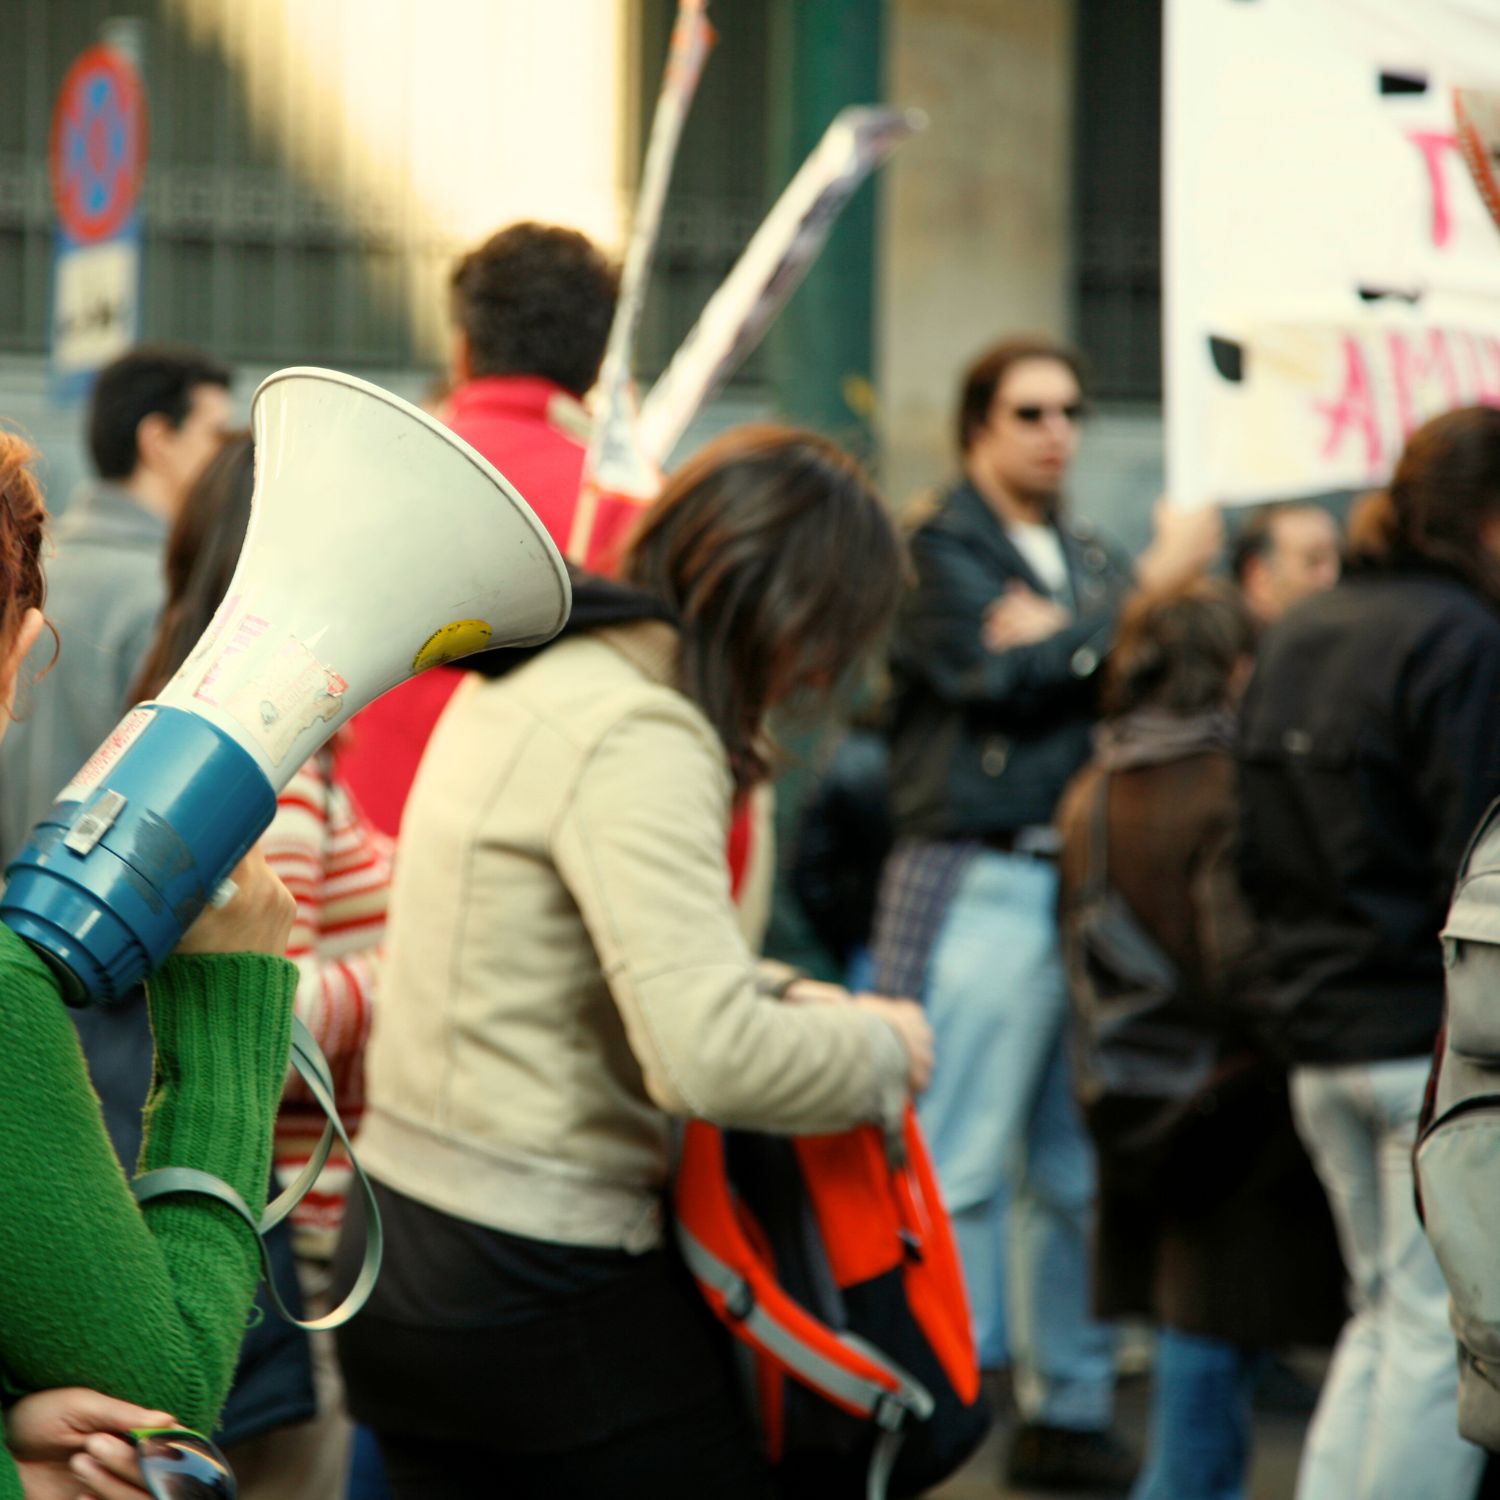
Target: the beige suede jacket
(565, 969)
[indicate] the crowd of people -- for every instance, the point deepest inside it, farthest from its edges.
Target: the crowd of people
(521, 901)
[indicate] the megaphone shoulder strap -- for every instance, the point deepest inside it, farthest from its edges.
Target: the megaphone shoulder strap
(312, 1067)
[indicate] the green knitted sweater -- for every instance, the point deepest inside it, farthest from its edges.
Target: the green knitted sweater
(148, 1305)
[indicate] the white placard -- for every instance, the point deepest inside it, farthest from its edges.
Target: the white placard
(94, 310)
(1331, 272)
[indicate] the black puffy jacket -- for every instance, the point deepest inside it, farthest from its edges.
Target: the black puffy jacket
(1370, 746)
(983, 742)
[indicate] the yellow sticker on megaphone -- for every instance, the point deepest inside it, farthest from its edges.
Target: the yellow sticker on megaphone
(455, 639)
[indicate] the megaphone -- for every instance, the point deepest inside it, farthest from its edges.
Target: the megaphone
(380, 544)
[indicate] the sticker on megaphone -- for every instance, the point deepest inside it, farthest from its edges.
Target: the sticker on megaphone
(266, 681)
(457, 638)
(143, 835)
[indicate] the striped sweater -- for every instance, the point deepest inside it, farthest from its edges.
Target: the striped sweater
(339, 870)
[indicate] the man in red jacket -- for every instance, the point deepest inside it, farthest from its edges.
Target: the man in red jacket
(530, 311)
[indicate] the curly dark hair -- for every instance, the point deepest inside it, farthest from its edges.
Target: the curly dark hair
(535, 299)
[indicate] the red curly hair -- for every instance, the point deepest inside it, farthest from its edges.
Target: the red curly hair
(23, 528)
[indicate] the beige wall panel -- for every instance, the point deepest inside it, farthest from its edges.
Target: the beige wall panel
(975, 215)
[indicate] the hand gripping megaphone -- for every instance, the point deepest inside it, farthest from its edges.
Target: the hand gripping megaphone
(379, 544)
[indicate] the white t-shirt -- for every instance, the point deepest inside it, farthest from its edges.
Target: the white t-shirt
(1042, 549)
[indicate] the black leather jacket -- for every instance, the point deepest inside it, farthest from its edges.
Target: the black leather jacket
(983, 742)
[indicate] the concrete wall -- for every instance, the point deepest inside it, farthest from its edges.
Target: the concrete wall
(975, 240)
(975, 212)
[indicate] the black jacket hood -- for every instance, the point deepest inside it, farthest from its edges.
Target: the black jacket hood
(597, 604)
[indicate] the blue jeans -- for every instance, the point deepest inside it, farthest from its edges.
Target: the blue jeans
(1016, 1166)
(1386, 1427)
(1201, 1421)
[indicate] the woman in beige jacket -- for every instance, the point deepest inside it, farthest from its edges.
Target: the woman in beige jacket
(567, 971)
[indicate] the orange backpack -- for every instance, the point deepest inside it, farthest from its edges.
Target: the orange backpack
(831, 1259)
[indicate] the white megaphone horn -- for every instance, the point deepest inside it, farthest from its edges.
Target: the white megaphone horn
(379, 544)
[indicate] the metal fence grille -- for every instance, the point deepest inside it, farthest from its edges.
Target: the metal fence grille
(720, 186)
(241, 255)
(247, 257)
(1117, 196)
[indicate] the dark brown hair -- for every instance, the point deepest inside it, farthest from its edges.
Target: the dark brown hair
(1177, 648)
(23, 530)
(1446, 486)
(782, 568)
(202, 550)
(535, 299)
(986, 375)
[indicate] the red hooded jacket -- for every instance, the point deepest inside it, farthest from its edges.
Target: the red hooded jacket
(536, 434)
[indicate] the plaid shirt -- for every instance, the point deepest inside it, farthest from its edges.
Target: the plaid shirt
(916, 886)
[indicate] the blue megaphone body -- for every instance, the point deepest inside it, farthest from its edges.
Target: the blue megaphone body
(141, 839)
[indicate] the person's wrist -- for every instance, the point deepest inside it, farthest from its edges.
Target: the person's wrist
(773, 980)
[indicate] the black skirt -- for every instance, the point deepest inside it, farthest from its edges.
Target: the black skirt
(539, 1367)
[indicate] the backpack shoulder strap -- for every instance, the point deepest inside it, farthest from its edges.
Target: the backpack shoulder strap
(845, 1369)
(745, 1294)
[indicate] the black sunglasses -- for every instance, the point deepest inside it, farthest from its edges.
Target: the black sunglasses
(179, 1464)
(1074, 411)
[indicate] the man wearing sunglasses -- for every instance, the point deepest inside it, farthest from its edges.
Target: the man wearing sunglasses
(994, 665)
